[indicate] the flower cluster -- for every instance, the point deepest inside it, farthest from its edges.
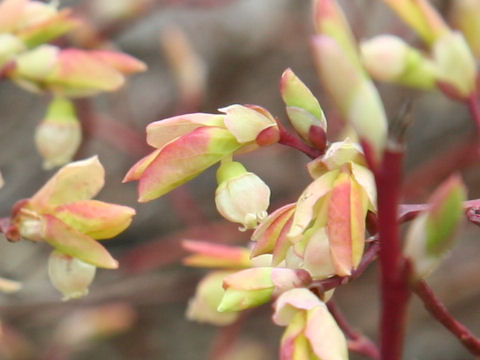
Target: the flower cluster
(62, 214)
(25, 57)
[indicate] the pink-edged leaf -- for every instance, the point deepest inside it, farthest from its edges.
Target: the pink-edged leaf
(79, 73)
(185, 158)
(306, 204)
(267, 233)
(208, 254)
(72, 242)
(94, 218)
(124, 63)
(324, 335)
(49, 29)
(162, 132)
(79, 180)
(257, 278)
(339, 225)
(137, 170)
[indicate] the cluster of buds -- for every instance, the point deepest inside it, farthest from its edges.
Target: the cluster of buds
(25, 57)
(71, 222)
(238, 283)
(324, 232)
(451, 64)
(189, 144)
(344, 77)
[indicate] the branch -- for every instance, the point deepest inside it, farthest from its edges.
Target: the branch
(440, 312)
(357, 341)
(394, 288)
(289, 139)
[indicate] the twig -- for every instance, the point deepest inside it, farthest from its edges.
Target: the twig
(288, 139)
(357, 341)
(441, 313)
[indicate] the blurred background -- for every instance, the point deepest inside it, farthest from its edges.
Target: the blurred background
(203, 55)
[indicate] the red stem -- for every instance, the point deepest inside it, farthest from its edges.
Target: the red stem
(394, 288)
(357, 341)
(288, 139)
(440, 312)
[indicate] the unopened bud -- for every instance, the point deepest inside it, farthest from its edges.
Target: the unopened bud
(59, 135)
(389, 58)
(69, 275)
(10, 45)
(230, 197)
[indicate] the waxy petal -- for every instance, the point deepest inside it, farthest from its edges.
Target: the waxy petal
(159, 133)
(184, 159)
(72, 242)
(97, 219)
(79, 180)
(246, 123)
(324, 335)
(316, 255)
(267, 234)
(290, 302)
(338, 154)
(291, 346)
(306, 204)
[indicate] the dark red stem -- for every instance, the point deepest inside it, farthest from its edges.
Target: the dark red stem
(357, 341)
(440, 312)
(293, 141)
(394, 288)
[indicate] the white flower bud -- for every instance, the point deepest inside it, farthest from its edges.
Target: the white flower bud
(69, 275)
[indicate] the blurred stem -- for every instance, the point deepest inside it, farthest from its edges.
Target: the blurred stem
(293, 141)
(474, 108)
(440, 312)
(357, 341)
(394, 288)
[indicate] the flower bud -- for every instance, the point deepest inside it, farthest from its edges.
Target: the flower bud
(230, 197)
(455, 63)
(70, 275)
(203, 306)
(256, 286)
(389, 58)
(34, 65)
(10, 45)
(59, 135)
(431, 234)
(464, 16)
(303, 108)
